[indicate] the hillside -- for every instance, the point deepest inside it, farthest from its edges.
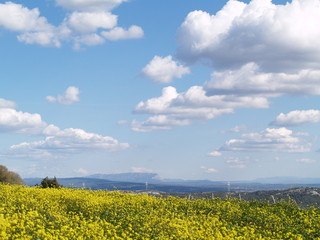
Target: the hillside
(304, 197)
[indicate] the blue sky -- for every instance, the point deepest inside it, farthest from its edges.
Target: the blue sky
(219, 90)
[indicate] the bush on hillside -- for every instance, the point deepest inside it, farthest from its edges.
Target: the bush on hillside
(9, 177)
(50, 183)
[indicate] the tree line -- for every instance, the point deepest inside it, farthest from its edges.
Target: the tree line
(9, 177)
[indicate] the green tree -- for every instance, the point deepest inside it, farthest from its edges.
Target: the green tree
(7, 176)
(50, 183)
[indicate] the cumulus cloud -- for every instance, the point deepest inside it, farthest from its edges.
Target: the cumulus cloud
(163, 70)
(70, 96)
(88, 40)
(20, 122)
(269, 140)
(33, 27)
(297, 117)
(90, 5)
(86, 24)
(67, 141)
(16, 17)
(159, 122)
(7, 104)
(276, 37)
(56, 142)
(178, 109)
(249, 80)
(48, 38)
(15, 121)
(258, 50)
(194, 103)
(119, 33)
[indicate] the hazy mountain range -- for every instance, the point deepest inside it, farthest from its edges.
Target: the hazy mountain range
(155, 178)
(152, 181)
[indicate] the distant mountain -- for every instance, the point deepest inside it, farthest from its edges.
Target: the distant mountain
(152, 181)
(151, 178)
(156, 179)
(130, 177)
(103, 184)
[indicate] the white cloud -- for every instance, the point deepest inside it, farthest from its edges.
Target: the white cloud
(20, 122)
(71, 96)
(87, 22)
(209, 170)
(88, 39)
(66, 141)
(56, 142)
(118, 33)
(83, 26)
(305, 160)
(33, 27)
(90, 5)
(297, 117)
(43, 38)
(215, 154)
(259, 50)
(141, 170)
(195, 104)
(16, 17)
(163, 70)
(269, 140)
(7, 104)
(192, 105)
(249, 80)
(200, 31)
(158, 122)
(276, 37)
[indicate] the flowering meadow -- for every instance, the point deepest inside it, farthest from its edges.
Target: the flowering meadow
(34, 213)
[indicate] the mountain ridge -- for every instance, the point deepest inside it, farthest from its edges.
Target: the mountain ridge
(152, 181)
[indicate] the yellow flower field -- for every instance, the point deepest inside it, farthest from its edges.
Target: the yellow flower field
(34, 213)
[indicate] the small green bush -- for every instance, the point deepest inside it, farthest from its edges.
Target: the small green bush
(50, 183)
